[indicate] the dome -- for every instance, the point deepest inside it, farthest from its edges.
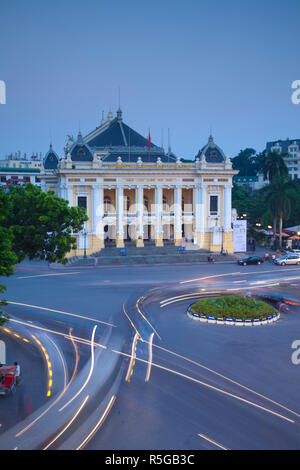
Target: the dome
(51, 159)
(212, 153)
(81, 152)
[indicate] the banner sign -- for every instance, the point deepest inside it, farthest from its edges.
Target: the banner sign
(240, 235)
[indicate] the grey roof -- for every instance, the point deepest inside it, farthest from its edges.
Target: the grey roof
(80, 151)
(51, 159)
(284, 144)
(212, 153)
(116, 133)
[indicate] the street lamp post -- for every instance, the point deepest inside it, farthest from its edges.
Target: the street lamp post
(84, 233)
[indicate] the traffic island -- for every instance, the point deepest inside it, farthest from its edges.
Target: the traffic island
(233, 310)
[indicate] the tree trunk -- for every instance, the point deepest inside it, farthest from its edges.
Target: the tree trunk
(274, 230)
(280, 230)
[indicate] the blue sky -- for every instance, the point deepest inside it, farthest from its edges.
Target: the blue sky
(188, 66)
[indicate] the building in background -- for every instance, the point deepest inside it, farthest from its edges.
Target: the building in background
(134, 191)
(290, 147)
(19, 176)
(251, 182)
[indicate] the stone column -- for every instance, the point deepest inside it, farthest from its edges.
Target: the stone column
(120, 210)
(69, 194)
(158, 213)
(140, 214)
(226, 216)
(97, 216)
(178, 217)
(200, 217)
(226, 220)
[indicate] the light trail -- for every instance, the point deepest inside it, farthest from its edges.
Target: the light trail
(143, 316)
(228, 379)
(62, 360)
(132, 358)
(131, 322)
(98, 425)
(77, 357)
(178, 298)
(150, 358)
(212, 442)
(208, 277)
(236, 274)
(212, 388)
(77, 339)
(46, 275)
(57, 399)
(89, 374)
(49, 365)
(69, 423)
(61, 312)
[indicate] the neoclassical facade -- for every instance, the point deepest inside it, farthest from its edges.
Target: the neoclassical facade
(134, 191)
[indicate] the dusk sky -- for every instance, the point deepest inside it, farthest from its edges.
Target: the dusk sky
(188, 66)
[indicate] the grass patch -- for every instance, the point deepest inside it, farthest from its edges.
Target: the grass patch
(233, 306)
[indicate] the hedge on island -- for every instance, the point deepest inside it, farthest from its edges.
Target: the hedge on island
(233, 306)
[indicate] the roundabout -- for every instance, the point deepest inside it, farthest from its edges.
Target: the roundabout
(234, 310)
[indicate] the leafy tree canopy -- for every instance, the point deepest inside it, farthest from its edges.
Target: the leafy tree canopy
(42, 224)
(248, 162)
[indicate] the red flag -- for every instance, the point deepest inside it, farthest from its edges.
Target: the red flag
(149, 141)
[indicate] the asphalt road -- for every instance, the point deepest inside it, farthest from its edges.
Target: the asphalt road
(209, 386)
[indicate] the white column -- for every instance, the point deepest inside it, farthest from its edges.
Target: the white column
(178, 216)
(69, 194)
(120, 211)
(98, 209)
(158, 209)
(140, 210)
(197, 209)
(226, 208)
(202, 205)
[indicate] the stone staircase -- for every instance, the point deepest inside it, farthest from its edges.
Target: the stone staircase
(149, 254)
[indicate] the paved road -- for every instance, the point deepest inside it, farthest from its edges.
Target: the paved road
(181, 405)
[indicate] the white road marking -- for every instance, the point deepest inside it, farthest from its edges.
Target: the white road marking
(46, 275)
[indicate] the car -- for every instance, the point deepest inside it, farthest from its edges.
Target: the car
(293, 252)
(287, 259)
(250, 260)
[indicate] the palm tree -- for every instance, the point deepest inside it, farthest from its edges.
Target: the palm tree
(274, 166)
(279, 201)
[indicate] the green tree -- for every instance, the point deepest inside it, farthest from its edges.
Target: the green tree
(279, 201)
(42, 224)
(245, 162)
(274, 166)
(7, 256)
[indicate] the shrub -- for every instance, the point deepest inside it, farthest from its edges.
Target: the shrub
(233, 306)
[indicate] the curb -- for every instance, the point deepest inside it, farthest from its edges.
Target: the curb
(232, 321)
